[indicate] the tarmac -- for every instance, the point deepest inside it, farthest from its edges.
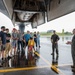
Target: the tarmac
(42, 63)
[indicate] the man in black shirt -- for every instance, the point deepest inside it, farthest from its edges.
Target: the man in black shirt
(8, 45)
(54, 40)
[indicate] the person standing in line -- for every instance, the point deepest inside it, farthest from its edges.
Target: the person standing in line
(0, 51)
(27, 37)
(3, 39)
(72, 50)
(14, 40)
(35, 38)
(0, 46)
(8, 44)
(20, 43)
(31, 34)
(54, 40)
(38, 39)
(23, 41)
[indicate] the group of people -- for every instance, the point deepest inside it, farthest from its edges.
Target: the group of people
(55, 38)
(5, 45)
(16, 41)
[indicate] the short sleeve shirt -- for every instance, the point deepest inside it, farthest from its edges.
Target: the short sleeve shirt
(54, 37)
(8, 36)
(3, 37)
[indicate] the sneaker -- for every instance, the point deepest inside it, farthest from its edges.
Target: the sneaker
(39, 46)
(9, 57)
(73, 69)
(1, 65)
(72, 66)
(3, 60)
(51, 53)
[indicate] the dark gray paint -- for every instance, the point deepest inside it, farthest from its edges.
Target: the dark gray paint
(56, 9)
(3, 8)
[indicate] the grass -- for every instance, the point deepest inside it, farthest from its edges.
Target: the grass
(49, 34)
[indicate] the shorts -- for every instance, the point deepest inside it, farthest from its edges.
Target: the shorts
(8, 48)
(3, 47)
(14, 43)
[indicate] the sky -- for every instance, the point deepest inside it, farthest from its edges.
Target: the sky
(66, 22)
